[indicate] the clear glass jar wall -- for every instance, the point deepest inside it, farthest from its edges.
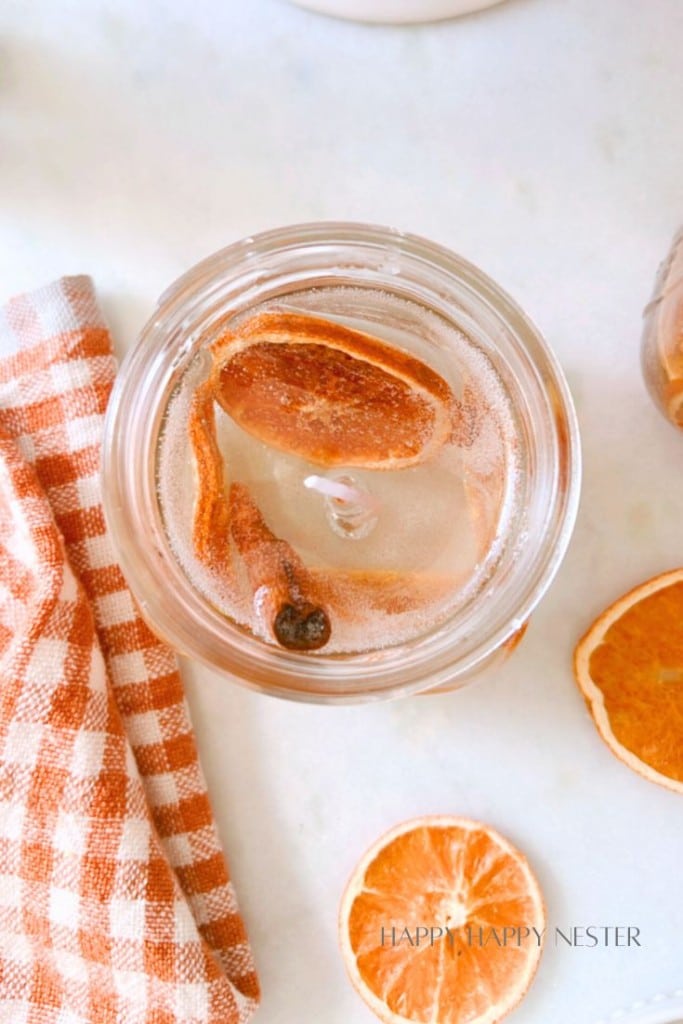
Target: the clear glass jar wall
(353, 262)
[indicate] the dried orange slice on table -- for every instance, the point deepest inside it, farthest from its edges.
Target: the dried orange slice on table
(629, 667)
(468, 887)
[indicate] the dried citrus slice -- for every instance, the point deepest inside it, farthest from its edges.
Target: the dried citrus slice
(331, 394)
(479, 902)
(210, 521)
(629, 667)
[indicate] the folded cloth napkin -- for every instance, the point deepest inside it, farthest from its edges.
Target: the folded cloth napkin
(115, 901)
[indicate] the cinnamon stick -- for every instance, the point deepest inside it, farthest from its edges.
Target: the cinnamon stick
(282, 586)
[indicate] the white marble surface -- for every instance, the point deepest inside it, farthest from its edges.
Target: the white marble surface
(541, 139)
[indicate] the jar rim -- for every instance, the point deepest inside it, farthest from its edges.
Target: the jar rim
(191, 624)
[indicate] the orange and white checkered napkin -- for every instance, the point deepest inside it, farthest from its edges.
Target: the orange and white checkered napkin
(115, 902)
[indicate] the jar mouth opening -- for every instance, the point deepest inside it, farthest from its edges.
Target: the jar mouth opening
(237, 278)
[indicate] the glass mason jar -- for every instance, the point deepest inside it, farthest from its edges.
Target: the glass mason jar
(409, 289)
(662, 346)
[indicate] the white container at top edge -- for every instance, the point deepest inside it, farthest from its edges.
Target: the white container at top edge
(396, 11)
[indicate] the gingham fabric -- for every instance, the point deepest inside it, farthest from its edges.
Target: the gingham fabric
(115, 902)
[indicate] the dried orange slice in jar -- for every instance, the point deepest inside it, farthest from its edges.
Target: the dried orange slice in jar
(629, 667)
(480, 915)
(331, 394)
